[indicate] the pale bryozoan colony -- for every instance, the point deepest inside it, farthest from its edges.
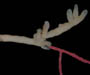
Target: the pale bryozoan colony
(41, 36)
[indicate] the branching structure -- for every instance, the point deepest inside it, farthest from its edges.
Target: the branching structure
(41, 36)
(61, 51)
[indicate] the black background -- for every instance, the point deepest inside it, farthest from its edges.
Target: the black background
(23, 18)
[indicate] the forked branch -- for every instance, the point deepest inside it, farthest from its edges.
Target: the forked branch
(73, 19)
(40, 37)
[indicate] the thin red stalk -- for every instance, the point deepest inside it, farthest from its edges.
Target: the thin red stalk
(71, 54)
(61, 51)
(60, 63)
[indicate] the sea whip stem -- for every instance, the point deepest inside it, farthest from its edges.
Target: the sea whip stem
(60, 63)
(61, 51)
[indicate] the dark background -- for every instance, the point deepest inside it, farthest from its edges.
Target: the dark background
(23, 18)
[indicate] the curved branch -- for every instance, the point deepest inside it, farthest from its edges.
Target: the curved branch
(71, 54)
(73, 20)
(25, 40)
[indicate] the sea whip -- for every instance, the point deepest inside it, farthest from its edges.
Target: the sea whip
(61, 51)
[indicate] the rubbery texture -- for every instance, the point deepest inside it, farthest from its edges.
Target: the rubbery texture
(41, 35)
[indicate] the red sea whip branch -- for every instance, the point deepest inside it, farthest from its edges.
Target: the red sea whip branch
(61, 51)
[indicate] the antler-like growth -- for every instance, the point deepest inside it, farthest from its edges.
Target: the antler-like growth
(73, 19)
(39, 38)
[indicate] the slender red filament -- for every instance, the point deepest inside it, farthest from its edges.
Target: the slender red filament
(61, 51)
(60, 63)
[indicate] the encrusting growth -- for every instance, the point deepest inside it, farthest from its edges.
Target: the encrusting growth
(41, 36)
